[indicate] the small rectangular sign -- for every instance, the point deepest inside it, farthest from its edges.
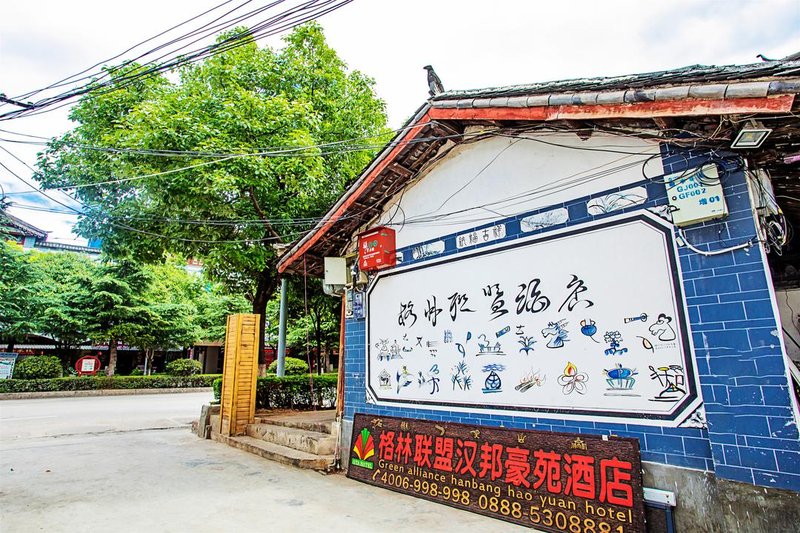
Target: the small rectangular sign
(7, 361)
(559, 482)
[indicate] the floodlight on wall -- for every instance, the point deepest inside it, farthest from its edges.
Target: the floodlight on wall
(752, 135)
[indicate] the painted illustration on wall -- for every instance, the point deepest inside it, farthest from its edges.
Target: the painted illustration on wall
(596, 308)
(616, 201)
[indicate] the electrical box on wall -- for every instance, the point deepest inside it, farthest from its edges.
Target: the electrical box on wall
(696, 195)
(336, 271)
(376, 249)
(354, 304)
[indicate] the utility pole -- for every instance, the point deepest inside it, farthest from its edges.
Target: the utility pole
(282, 331)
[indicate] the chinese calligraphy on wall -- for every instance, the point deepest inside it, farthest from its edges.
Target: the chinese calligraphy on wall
(588, 321)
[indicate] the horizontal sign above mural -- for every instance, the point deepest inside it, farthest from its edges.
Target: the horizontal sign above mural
(588, 321)
(549, 481)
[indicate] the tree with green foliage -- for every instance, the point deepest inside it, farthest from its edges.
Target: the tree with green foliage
(213, 307)
(62, 289)
(159, 148)
(114, 308)
(19, 279)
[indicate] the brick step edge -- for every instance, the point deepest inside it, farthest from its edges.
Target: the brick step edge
(278, 453)
(312, 442)
(317, 427)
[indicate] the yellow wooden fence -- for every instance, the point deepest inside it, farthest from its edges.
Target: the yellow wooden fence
(240, 372)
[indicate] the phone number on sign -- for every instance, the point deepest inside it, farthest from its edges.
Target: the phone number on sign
(426, 488)
(561, 520)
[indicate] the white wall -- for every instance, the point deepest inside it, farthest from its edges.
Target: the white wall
(789, 307)
(486, 178)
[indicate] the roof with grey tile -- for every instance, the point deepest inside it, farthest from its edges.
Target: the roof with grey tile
(772, 72)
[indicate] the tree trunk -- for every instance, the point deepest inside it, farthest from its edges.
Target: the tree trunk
(148, 361)
(112, 357)
(318, 339)
(11, 342)
(265, 287)
(326, 360)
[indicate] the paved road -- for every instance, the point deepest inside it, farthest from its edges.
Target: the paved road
(51, 417)
(97, 465)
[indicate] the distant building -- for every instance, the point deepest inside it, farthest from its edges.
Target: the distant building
(30, 237)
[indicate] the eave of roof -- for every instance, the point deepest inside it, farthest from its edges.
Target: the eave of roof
(28, 230)
(703, 91)
(69, 247)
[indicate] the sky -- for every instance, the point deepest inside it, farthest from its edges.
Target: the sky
(471, 44)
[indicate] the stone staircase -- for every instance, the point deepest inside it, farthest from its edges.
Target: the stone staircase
(301, 439)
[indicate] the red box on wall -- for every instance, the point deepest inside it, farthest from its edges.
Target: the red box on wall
(376, 249)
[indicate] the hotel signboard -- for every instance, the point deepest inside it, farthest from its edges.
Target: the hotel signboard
(557, 482)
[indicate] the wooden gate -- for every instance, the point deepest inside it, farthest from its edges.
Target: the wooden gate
(238, 400)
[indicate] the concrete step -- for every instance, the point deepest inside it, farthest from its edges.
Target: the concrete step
(312, 442)
(321, 421)
(276, 452)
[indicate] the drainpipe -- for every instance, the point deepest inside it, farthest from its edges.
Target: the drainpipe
(282, 331)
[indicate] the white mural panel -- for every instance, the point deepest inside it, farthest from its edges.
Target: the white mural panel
(503, 177)
(588, 320)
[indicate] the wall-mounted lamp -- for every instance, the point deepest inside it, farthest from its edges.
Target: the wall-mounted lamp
(752, 135)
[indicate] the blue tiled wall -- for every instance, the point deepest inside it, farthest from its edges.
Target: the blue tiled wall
(752, 435)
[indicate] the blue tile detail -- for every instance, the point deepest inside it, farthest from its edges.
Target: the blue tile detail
(722, 312)
(760, 458)
(778, 480)
(758, 309)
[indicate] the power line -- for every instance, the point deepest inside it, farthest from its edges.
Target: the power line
(105, 72)
(71, 79)
(23, 180)
(431, 218)
(290, 18)
(299, 152)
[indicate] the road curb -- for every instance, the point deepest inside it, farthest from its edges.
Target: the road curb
(100, 392)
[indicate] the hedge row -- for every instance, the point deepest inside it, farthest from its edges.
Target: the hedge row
(105, 382)
(291, 392)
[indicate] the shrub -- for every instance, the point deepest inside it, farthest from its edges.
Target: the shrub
(291, 392)
(106, 382)
(136, 372)
(38, 367)
(294, 392)
(293, 367)
(217, 386)
(184, 367)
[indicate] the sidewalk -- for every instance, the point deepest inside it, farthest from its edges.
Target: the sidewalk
(172, 481)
